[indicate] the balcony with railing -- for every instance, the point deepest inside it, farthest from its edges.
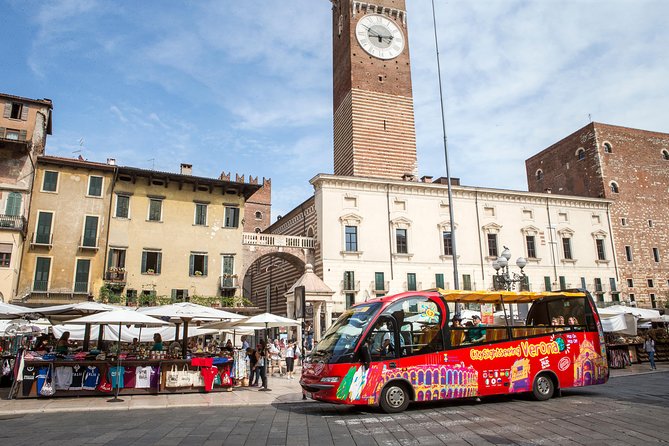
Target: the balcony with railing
(115, 275)
(228, 281)
(350, 286)
(12, 223)
(41, 240)
(43, 291)
(289, 241)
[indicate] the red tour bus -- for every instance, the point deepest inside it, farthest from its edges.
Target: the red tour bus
(408, 347)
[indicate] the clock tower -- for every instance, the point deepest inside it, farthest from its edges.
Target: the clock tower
(374, 131)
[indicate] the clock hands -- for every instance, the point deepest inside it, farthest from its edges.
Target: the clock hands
(382, 38)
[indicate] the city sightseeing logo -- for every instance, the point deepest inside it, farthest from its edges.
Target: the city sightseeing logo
(525, 349)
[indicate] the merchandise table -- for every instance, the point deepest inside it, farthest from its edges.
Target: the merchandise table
(140, 376)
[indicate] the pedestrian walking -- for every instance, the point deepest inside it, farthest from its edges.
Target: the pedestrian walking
(649, 346)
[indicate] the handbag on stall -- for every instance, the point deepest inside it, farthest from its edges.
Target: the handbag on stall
(172, 377)
(104, 386)
(48, 388)
(185, 377)
(197, 379)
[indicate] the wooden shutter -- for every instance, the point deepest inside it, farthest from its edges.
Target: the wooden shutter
(22, 135)
(191, 265)
(159, 258)
(24, 113)
(13, 204)
(2, 132)
(8, 110)
(144, 261)
(174, 295)
(204, 266)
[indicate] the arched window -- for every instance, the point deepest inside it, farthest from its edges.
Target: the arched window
(540, 174)
(257, 230)
(580, 154)
(258, 215)
(614, 187)
(665, 155)
(608, 148)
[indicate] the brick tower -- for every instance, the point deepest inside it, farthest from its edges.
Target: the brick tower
(374, 131)
(630, 167)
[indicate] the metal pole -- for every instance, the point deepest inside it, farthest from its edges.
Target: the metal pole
(456, 281)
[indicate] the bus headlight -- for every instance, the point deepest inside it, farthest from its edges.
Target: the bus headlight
(330, 379)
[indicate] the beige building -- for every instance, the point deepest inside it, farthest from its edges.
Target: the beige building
(63, 259)
(175, 235)
(24, 126)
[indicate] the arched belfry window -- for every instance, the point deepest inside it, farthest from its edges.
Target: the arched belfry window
(540, 174)
(580, 154)
(614, 187)
(665, 155)
(608, 148)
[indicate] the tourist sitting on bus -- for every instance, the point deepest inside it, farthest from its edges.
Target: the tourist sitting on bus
(387, 348)
(572, 320)
(477, 332)
(456, 322)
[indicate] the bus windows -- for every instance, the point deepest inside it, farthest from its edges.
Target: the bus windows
(556, 314)
(419, 319)
(381, 339)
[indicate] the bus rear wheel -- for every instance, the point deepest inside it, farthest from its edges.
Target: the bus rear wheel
(394, 398)
(543, 388)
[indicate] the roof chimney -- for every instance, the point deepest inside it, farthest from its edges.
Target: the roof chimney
(111, 161)
(186, 169)
(426, 179)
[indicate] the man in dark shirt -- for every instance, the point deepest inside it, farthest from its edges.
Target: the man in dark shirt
(477, 332)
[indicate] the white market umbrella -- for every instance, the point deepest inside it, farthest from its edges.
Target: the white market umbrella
(61, 313)
(9, 311)
(120, 317)
(187, 312)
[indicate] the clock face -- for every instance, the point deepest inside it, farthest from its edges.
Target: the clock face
(380, 36)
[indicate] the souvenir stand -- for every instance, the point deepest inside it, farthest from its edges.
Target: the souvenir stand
(97, 372)
(14, 335)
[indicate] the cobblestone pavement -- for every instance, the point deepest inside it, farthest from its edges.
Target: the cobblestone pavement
(629, 410)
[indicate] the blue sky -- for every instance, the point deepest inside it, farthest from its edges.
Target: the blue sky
(245, 86)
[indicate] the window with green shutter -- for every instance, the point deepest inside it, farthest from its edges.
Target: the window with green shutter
(122, 206)
(13, 206)
(466, 282)
(82, 275)
(151, 262)
(95, 186)
(43, 233)
(155, 209)
(90, 232)
(198, 264)
(439, 280)
(379, 282)
(42, 267)
(200, 214)
(50, 183)
(547, 283)
(231, 217)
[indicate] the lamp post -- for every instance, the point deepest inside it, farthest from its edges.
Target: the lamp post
(504, 279)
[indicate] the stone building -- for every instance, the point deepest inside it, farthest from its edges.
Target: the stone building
(67, 231)
(630, 167)
(24, 126)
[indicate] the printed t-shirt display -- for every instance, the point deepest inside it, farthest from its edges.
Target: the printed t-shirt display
(29, 374)
(63, 377)
(77, 377)
(115, 374)
(129, 377)
(91, 378)
(143, 377)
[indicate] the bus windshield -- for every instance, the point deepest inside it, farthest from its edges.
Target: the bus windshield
(338, 343)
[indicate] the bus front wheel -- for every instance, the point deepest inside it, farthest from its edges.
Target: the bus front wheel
(543, 388)
(394, 398)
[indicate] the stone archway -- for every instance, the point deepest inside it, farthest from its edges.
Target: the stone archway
(271, 273)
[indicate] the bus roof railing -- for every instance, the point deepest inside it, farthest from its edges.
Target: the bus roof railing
(501, 296)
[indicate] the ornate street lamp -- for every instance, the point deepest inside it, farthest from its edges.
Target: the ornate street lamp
(503, 278)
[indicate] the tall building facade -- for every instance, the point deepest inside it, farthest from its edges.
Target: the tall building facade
(630, 167)
(24, 126)
(374, 130)
(68, 226)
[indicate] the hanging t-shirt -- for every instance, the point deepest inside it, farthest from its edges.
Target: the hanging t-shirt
(129, 377)
(155, 377)
(42, 376)
(114, 374)
(91, 378)
(77, 377)
(143, 377)
(63, 377)
(209, 374)
(29, 373)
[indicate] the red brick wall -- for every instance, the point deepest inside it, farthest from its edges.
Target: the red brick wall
(637, 166)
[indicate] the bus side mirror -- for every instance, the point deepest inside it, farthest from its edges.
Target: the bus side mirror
(365, 355)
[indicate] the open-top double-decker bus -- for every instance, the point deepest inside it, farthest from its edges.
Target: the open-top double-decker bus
(408, 347)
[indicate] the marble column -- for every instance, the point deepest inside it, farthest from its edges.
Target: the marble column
(317, 320)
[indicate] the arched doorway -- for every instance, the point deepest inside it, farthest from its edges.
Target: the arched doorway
(268, 278)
